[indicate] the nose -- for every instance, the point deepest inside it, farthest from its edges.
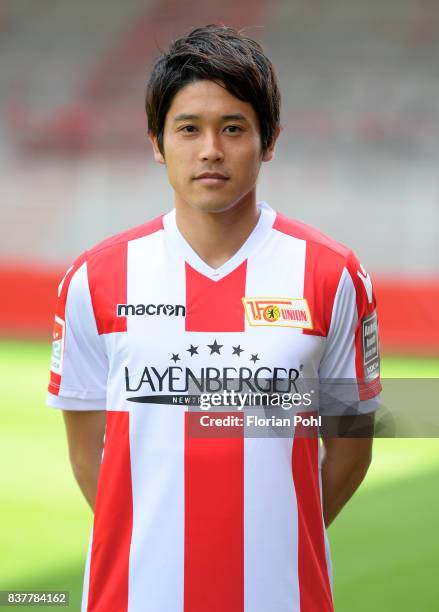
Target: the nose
(211, 149)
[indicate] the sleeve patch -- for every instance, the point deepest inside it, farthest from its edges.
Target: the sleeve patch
(57, 346)
(371, 355)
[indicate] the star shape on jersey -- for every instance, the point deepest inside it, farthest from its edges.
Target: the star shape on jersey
(215, 347)
(175, 357)
(193, 350)
(254, 358)
(237, 350)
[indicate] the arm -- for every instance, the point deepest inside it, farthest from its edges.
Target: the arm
(344, 466)
(347, 439)
(85, 437)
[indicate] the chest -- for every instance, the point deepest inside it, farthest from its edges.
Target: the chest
(181, 325)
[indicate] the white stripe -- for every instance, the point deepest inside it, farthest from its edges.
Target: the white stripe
(156, 568)
(339, 358)
(156, 565)
(278, 269)
(338, 361)
(270, 506)
(270, 527)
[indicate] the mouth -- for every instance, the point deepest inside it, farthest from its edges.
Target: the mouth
(211, 178)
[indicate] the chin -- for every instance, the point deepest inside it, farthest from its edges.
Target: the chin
(213, 206)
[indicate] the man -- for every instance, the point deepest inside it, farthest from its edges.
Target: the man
(220, 287)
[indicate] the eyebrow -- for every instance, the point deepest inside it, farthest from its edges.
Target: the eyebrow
(186, 117)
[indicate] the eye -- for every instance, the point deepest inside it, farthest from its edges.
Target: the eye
(188, 129)
(233, 129)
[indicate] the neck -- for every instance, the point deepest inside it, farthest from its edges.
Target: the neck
(217, 236)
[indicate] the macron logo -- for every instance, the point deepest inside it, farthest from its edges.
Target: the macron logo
(365, 278)
(169, 310)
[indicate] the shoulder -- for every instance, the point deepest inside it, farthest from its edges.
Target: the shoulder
(121, 239)
(330, 268)
(313, 237)
(115, 247)
(323, 253)
(107, 257)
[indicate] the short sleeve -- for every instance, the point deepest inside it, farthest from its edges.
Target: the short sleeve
(350, 366)
(79, 365)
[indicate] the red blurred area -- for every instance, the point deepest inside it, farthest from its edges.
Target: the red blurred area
(408, 314)
(407, 307)
(28, 297)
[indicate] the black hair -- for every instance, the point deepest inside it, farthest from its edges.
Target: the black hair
(221, 54)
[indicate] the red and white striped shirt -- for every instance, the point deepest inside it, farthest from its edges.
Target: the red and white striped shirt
(208, 524)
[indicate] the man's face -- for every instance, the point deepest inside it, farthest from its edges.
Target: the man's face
(212, 147)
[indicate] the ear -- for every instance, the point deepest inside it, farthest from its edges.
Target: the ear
(156, 150)
(269, 153)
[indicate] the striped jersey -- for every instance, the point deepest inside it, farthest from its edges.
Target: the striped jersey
(197, 523)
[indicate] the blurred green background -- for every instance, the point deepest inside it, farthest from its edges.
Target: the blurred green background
(385, 544)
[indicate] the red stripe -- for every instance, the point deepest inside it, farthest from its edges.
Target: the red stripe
(65, 280)
(314, 586)
(112, 529)
(107, 278)
(300, 230)
(215, 305)
(107, 275)
(214, 469)
(324, 262)
(214, 524)
(323, 271)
